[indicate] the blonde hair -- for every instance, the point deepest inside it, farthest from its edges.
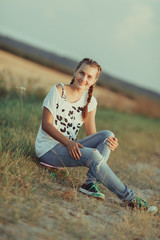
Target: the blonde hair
(94, 64)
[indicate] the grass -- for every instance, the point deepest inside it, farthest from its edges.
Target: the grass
(43, 207)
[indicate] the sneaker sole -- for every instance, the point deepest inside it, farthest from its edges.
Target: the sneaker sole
(97, 195)
(152, 209)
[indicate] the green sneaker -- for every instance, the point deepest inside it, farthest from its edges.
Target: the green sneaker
(142, 204)
(92, 189)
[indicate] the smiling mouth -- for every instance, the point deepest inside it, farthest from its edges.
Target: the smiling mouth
(81, 83)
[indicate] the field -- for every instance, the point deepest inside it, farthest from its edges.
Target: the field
(18, 72)
(35, 204)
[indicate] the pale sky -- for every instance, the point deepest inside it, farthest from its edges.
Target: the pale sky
(122, 35)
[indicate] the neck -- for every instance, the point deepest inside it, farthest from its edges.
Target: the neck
(77, 90)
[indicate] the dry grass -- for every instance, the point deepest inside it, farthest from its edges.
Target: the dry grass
(43, 207)
(147, 107)
(132, 228)
(35, 205)
(21, 72)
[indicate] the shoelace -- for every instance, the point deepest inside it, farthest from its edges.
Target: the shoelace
(95, 185)
(141, 202)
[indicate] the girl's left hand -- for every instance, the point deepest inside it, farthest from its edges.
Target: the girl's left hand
(112, 143)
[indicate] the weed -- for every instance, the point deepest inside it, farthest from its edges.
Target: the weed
(30, 197)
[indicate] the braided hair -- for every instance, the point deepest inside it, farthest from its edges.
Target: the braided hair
(94, 64)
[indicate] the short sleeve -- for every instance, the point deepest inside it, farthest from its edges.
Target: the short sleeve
(50, 101)
(93, 104)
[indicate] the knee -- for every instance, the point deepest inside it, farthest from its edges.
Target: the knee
(107, 133)
(95, 154)
(96, 159)
(92, 157)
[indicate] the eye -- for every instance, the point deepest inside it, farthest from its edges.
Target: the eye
(89, 77)
(81, 72)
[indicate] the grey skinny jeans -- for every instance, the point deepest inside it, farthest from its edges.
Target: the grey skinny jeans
(94, 156)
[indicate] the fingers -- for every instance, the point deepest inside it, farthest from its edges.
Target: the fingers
(80, 145)
(74, 150)
(78, 151)
(112, 143)
(111, 147)
(75, 154)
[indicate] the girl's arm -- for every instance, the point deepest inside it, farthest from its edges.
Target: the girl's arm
(47, 126)
(90, 125)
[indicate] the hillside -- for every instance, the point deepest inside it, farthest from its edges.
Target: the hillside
(18, 71)
(67, 65)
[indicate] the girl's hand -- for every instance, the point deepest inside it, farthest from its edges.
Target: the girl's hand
(73, 148)
(113, 143)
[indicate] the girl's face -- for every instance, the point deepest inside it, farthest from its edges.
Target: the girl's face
(85, 76)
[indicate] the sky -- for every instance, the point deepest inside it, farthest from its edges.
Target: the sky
(123, 36)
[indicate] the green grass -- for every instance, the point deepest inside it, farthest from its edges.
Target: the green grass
(48, 208)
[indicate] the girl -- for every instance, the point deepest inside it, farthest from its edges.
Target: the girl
(65, 109)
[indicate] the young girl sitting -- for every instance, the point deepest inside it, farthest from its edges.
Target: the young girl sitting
(65, 109)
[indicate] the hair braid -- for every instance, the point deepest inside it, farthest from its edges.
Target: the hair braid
(85, 109)
(72, 81)
(93, 64)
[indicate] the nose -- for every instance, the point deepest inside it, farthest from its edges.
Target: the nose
(84, 79)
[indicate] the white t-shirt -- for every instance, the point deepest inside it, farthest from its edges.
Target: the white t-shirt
(67, 118)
